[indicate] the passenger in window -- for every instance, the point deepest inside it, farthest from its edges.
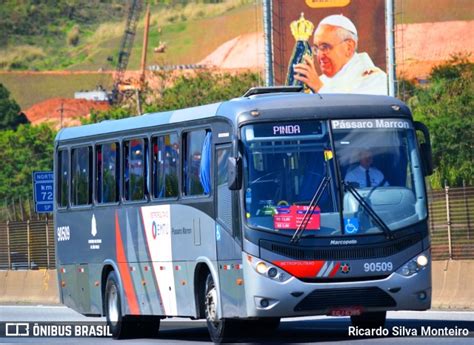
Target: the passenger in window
(365, 175)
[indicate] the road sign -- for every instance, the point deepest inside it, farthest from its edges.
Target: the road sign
(43, 187)
(44, 208)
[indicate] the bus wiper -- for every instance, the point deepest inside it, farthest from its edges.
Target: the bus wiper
(309, 212)
(368, 209)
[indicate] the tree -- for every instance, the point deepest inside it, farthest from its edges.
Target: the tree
(23, 151)
(446, 107)
(10, 116)
(204, 88)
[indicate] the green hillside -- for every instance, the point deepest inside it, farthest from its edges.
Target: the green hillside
(30, 88)
(86, 35)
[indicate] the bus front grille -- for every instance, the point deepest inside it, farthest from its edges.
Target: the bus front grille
(325, 299)
(346, 253)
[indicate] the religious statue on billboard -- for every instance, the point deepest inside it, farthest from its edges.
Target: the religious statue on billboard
(301, 30)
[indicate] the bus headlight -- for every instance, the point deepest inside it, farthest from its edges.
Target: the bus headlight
(268, 270)
(415, 265)
(422, 260)
(261, 267)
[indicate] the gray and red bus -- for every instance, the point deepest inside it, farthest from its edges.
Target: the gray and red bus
(276, 204)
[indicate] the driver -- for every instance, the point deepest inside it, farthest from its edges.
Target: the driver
(364, 175)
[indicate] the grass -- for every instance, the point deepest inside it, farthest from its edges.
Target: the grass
(187, 41)
(191, 32)
(28, 88)
(97, 42)
(20, 57)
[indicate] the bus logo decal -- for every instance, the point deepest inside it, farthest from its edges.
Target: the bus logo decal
(345, 268)
(93, 226)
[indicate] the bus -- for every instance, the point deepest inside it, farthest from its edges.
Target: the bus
(275, 204)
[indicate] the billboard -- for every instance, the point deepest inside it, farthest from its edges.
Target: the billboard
(336, 70)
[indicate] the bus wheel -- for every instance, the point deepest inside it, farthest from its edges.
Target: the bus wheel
(369, 320)
(113, 308)
(220, 330)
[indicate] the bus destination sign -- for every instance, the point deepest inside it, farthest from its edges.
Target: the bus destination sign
(284, 129)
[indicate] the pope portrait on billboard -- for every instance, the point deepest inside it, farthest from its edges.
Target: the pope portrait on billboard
(343, 69)
(330, 46)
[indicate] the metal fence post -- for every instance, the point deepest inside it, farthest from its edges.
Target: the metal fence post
(47, 245)
(21, 209)
(448, 220)
(466, 206)
(430, 211)
(6, 209)
(14, 209)
(8, 245)
(28, 242)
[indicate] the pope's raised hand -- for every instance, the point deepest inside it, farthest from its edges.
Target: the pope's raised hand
(306, 73)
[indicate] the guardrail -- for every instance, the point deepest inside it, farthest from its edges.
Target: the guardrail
(29, 244)
(451, 220)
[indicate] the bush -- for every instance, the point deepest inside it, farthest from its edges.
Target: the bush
(27, 149)
(446, 107)
(204, 88)
(20, 57)
(10, 116)
(73, 36)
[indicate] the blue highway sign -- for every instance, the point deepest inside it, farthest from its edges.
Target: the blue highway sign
(43, 187)
(44, 208)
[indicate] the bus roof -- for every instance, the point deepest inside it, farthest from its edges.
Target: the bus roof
(272, 106)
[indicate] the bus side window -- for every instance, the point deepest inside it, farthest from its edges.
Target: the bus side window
(165, 166)
(82, 176)
(135, 183)
(63, 178)
(224, 194)
(107, 158)
(196, 170)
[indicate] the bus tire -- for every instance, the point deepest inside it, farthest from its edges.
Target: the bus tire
(220, 330)
(369, 320)
(113, 308)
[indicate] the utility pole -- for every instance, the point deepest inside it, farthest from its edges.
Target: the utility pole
(61, 111)
(390, 42)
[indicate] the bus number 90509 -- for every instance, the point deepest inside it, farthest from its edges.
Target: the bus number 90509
(378, 266)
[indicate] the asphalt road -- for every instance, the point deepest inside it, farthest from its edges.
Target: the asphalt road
(292, 330)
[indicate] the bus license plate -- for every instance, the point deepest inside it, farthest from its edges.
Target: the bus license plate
(350, 311)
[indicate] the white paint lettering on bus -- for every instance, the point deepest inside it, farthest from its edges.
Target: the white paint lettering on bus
(287, 129)
(370, 124)
(63, 232)
(391, 124)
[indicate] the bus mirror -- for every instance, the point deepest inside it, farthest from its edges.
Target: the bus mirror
(425, 148)
(234, 173)
(427, 158)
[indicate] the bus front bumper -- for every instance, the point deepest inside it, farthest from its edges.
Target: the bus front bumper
(266, 297)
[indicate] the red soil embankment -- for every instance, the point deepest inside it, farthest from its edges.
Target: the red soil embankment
(63, 112)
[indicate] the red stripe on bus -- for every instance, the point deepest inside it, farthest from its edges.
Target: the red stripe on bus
(334, 270)
(124, 271)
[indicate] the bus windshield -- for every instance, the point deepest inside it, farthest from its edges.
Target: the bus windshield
(286, 163)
